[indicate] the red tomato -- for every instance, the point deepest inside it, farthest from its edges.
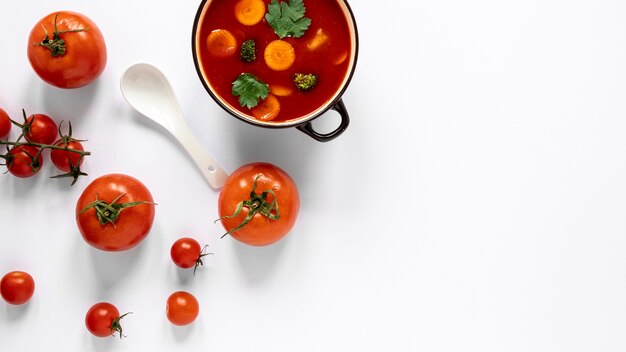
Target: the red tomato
(65, 160)
(186, 253)
(17, 287)
(103, 320)
(116, 230)
(22, 162)
(182, 308)
(262, 229)
(40, 128)
(70, 55)
(5, 124)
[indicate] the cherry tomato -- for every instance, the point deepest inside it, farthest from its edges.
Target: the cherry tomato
(186, 253)
(40, 128)
(125, 226)
(17, 287)
(5, 124)
(182, 308)
(67, 50)
(103, 320)
(22, 162)
(64, 160)
(271, 220)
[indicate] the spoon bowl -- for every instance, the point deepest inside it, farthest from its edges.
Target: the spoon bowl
(148, 91)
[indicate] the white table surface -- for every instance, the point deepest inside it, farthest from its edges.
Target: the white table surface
(475, 203)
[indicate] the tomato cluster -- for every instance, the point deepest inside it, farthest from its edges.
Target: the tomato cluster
(258, 205)
(24, 159)
(182, 308)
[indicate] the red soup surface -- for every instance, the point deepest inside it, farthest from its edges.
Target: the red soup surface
(323, 50)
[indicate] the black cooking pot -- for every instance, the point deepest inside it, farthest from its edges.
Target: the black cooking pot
(303, 123)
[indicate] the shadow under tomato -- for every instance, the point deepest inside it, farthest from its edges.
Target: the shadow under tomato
(101, 343)
(112, 267)
(182, 333)
(15, 313)
(258, 263)
(59, 104)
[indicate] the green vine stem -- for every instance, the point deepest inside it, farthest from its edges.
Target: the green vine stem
(46, 146)
(199, 260)
(109, 212)
(116, 326)
(257, 204)
(56, 45)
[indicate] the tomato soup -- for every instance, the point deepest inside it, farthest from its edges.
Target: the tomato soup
(322, 51)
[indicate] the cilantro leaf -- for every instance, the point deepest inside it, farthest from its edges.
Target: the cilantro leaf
(249, 90)
(287, 18)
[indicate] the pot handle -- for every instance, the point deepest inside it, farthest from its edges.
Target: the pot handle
(326, 137)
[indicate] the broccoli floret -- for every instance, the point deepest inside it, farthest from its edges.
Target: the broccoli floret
(304, 81)
(248, 51)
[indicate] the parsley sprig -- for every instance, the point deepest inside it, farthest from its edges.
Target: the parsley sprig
(249, 90)
(287, 18)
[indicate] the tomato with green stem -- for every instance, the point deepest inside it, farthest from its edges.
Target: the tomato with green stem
(182, 308)
(186, 253)
(5, 124)
(17, 287)
(24, 161)
(103, 320)
(39, 128)
(259, 219)
(67, 159)
(67, 50)
(115, 212)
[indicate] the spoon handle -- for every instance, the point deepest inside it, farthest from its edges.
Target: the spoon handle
(212, 171)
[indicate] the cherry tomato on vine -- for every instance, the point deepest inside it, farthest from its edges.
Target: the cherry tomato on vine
(67, 50)
(5, 124)
(115, 212)
(182, 308)
(103, 320)
(269, 214)
(187, 253)
(17, 287)
(64, 160)
(40, 128)
(23, 161)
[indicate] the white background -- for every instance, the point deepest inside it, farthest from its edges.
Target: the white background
(475, 203)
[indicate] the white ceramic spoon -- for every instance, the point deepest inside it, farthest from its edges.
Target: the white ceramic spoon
(147, 90)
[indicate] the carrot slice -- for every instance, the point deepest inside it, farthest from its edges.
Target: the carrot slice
(249, 12)
(221, 43)
(341, 58)
(317, 41)
(268, 109)
(279, 55)
(281, 91)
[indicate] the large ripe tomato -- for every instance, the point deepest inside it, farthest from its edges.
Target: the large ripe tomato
(182, 308)
(271, 220)
(103, 320)
(17, 287)
(5, 124)
(40, 128)
(67, 50)
(123, 227)
(23, 161)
